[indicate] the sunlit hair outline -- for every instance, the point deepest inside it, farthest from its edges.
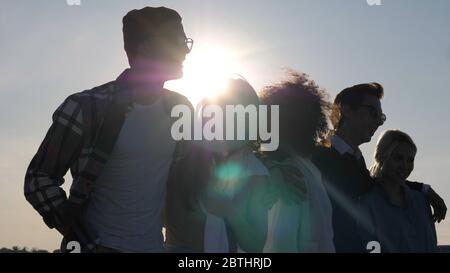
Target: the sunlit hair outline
(386, 144)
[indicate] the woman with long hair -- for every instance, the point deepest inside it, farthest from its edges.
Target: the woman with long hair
(301, 218)
(216, 198)
(398, 218)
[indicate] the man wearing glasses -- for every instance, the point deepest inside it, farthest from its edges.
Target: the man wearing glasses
(356, 115)
(116, 141)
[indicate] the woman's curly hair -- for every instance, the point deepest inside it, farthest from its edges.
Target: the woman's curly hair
(304, 111)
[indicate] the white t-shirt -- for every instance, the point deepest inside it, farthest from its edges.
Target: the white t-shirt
(125, 208)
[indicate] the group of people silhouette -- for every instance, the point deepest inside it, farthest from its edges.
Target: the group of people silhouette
(314, 193)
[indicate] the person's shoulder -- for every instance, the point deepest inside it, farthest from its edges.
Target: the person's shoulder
(174, 98)
(324, 152)
(100, 92)
(418, 202)
(415, 196)
(256, 166)
(373, 197)
(325, 156)
(83, 99)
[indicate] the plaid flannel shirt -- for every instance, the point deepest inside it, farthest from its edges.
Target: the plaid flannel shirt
(83, 133)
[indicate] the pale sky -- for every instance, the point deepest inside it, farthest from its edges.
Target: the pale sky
(50, 50)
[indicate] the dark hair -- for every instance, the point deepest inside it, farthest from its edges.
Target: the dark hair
(197, 167)
(139, 25)
(238, 91)
(353, 97)
(304, 109)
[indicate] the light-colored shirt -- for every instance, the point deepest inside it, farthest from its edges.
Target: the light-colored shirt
(305, 225)
(125, 208)
(343, 147)
(398, 229)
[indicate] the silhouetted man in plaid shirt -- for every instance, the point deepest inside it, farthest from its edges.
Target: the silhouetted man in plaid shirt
(116, 141)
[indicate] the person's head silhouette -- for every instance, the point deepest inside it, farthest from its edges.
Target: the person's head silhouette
(155, 42)
(303, 113)
(357, 112)
(394, 156)
(238, 92)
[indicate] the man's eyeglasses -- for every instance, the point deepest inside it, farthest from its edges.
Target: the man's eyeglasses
(181, 42)
(375, 113)
(189, 43)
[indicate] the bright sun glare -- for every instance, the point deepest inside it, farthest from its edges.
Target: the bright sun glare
(206, 70)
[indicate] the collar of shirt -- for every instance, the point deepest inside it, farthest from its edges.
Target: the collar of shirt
(343, 147)
(134, 88)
